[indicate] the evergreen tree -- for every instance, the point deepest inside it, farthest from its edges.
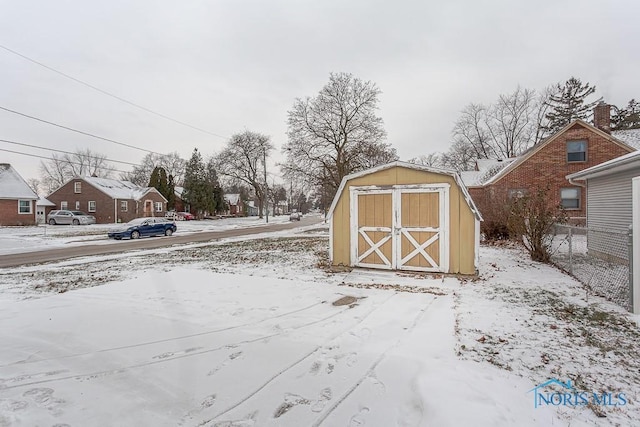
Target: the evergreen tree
(171, 197)
(569, 103)
(195, 188)
(215, 196)
(160, 182)
(626, 118)
(154, 180)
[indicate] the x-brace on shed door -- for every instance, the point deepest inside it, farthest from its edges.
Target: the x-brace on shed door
(400, 227)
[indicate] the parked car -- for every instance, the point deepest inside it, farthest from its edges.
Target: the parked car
(180, 216)
(142, 227)
(70, 217)
(295, 216)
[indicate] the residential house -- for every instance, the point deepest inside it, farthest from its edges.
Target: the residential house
(251, 208)
(609, 205)
(109, 200)
(17, 199)
(577, 146)
(43, 207)
(235, 204)
(281, 208)
(180, 204)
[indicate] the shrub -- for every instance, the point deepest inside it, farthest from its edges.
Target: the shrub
(532, 219)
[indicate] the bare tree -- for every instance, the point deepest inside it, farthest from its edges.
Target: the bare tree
(511, 122)
(34, 183)
(460, 157)
(172, 163)
(543, 106)
(61, 168)
(336, 133)
(242, 161)
(431, 159)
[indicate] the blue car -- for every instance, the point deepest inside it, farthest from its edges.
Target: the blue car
(141, 227)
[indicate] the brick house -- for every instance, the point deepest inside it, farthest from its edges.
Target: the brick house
(577, 146)
(235, 204)
(17, 199)
(109, 200)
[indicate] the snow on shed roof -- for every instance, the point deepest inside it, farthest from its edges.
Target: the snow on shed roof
(13, 186)
(452, 173)
(118, 189)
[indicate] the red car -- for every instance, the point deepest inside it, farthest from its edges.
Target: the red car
(180, 216)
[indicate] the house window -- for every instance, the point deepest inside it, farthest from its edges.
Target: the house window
(158, 206)
(576, 151)
(77, 187)
(570, 198)
(64, 206)
(124, 206)
(77, 205)
(24, 206)
(91, 206)
(517, 193)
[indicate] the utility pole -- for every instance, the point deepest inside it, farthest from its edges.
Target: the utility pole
(265, 202)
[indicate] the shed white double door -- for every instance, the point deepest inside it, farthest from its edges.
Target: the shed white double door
(403, 227)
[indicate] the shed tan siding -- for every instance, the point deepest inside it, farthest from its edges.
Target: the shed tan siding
(461, 218)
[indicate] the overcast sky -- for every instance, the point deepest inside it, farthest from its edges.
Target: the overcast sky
(226, 66)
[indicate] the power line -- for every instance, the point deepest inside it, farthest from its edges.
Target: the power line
(78, 131)
(65, 152)
(49, 158)
(104, 92)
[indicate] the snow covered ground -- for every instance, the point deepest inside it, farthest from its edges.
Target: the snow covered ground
(258, 332)
(44, 236)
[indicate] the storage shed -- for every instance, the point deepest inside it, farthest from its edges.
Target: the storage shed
(403, 216)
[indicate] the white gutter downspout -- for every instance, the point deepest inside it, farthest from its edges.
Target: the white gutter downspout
(572, 182)
(115, 210)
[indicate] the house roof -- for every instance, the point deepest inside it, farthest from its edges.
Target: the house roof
(486, 168)
(119, 189)
(406, 165)
(178, 191)
(630, 137)
(13, 186)
(619, 164)
(44, 202)
(232, 199)
(533, 150)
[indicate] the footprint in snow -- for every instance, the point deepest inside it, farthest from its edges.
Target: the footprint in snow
(325, 396)
(290, 400)
(208, 401)
(359, 419)
(12, 405)
(352, 359)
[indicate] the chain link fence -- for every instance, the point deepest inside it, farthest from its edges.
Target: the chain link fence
(598, 258)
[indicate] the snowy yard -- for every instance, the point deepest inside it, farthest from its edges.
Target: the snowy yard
(257, 332)
(44, 236)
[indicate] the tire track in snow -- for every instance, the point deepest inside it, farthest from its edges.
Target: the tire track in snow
(146, 343)
(297, 362)
(375, 364)
(100, 374)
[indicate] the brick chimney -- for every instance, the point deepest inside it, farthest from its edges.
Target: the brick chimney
(602, 117)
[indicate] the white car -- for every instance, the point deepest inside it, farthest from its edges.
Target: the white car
(70, 218)
(295, 216)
